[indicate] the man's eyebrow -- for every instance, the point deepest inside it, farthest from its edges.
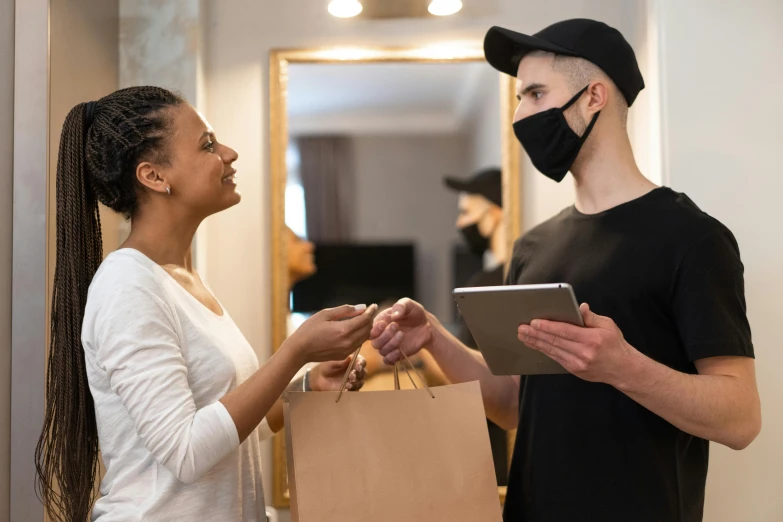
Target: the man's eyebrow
(531, 87)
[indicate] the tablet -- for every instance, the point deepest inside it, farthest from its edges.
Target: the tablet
(493, 315)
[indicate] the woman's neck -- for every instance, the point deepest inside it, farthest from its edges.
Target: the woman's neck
(165, 240)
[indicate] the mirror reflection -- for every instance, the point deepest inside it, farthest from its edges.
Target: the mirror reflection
(394, 190)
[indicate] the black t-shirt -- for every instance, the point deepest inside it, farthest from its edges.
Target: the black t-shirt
(670, 276)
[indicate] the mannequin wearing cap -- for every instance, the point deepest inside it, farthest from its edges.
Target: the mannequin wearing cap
(480, 220)
(664, 363)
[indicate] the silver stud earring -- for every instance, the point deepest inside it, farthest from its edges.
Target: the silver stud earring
(168, 190)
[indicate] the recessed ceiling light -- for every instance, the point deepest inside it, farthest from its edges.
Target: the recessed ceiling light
(345, 8)
(445, 7)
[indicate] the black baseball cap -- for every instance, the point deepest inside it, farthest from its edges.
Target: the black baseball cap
(487, 183)
(594, 41)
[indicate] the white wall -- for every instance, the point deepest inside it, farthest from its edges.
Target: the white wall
(239, 38)
(400, 196)
(723, 112)
(6, 245)
(483, 125)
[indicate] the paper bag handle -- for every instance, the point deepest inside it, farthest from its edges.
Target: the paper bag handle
(355, 356)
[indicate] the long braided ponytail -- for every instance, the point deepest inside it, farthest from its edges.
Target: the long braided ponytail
(101, 145)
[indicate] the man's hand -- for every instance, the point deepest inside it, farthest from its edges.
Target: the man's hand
(404, 326)
(596, 352)
(328, 376)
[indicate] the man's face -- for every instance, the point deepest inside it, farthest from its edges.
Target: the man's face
(540, 88)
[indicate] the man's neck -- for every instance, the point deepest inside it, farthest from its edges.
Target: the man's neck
(607, 176)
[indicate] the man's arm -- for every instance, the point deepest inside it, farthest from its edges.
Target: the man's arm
(408, 326)
(721, 403)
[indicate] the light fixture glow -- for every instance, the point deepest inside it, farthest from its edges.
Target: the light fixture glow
(450, 51)
(444, 7)
(347, 54)
(345, 8)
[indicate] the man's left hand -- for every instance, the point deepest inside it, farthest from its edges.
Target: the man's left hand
(596, 352)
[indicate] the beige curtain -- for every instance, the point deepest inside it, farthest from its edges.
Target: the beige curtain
(327, 172)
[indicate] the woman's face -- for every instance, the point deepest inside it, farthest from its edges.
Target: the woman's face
(301, 262)
(199, 172)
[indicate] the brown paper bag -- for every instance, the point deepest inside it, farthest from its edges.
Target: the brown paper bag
(390, 456)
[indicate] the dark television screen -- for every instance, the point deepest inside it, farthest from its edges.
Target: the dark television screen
(357, 274)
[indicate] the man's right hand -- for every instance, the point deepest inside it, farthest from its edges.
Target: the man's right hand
(405, 326)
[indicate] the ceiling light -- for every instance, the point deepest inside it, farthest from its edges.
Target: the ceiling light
(345, 8)
(445, 7)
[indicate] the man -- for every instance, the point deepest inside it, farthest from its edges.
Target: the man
(664, 363)
(480, 221)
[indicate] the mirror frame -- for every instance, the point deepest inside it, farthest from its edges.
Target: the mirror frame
(279, 60)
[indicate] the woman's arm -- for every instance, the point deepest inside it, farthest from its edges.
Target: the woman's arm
(138, 347)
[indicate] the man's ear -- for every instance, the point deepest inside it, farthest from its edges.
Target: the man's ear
(598, 97)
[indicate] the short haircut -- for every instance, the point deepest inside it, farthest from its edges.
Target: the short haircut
(579, 73)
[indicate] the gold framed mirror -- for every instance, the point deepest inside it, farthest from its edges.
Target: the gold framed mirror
(280, 125)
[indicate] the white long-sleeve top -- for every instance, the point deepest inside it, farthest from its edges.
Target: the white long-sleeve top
(158, 361)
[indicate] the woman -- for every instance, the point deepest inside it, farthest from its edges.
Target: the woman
(148, 363)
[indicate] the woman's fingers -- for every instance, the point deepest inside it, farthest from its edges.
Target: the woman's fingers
(363, 321)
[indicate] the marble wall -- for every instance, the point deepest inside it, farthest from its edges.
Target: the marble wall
(162, 43)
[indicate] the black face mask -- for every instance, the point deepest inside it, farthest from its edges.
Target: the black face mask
(550, 142)
(478, 244)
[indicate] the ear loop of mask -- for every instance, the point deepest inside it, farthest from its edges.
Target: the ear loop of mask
(592, 121)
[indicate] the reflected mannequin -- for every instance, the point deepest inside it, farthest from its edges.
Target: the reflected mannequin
(301, 258)
(481, 222)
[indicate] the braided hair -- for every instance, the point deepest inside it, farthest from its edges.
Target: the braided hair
(101, 145)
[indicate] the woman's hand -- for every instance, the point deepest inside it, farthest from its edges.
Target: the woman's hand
(328, 376)
(332, 334)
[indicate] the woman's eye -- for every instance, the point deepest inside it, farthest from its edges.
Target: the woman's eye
(210, 146)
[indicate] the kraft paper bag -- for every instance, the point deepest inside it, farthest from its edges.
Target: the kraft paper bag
(390, 456)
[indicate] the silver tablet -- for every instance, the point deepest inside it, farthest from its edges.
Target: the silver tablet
(494, 313)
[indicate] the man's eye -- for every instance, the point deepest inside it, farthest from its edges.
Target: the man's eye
(210, 146)
(537, 94)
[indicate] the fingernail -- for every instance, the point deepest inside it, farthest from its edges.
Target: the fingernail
(393, 327)
(360, 308)
(535, 324)
(398, 336)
